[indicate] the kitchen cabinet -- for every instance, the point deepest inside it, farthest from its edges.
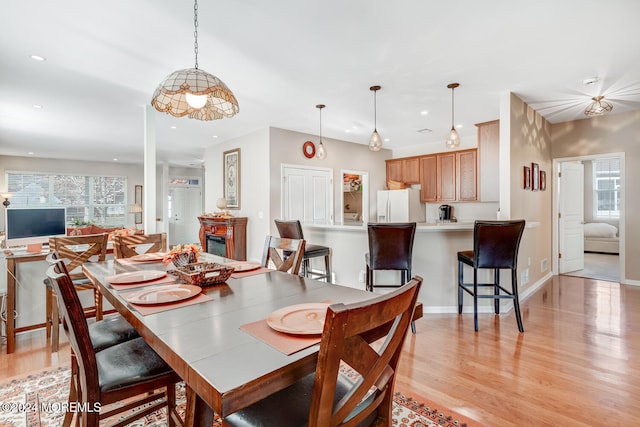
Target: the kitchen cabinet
(449, 177)
(466, 178)
(405, 170)
(489, 161)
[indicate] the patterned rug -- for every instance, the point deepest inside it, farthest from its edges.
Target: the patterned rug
(37, 400)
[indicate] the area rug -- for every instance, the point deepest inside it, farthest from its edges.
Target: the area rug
(37, 400)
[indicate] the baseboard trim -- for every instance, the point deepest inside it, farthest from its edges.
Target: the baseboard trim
(505, 306)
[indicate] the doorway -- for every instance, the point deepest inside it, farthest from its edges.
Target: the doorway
(602, 266)
(185, 205)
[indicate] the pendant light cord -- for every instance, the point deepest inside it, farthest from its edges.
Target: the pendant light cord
(453, 120)
(375, 111)
(320, 125)
(195, 31)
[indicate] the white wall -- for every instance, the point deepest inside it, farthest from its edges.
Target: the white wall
(254, 185)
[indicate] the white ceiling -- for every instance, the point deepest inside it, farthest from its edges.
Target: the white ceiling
(282, 57)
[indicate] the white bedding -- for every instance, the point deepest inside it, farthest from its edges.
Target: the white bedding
(601, 237)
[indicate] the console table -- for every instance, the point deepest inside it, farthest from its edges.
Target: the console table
(224, 236)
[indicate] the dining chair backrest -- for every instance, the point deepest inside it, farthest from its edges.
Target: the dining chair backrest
(291, 229)
(496, 243)
(138, 244)
(77, 250)
(391, 245)
(368, 336)
(72, 314)
(285, 254)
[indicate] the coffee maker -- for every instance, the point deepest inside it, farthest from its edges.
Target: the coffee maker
(445, 212)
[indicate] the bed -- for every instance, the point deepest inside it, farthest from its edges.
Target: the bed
(601, 237)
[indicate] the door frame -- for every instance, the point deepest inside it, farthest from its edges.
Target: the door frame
(556, 202)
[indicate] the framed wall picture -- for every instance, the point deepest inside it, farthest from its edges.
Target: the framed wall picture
(535, 176)
(526, 184)
(543, 180)
(137, 199)
(231, 178)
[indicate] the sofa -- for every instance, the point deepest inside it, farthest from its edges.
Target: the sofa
(601, 237)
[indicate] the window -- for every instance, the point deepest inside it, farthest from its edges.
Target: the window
(98, 200)
(606, 188)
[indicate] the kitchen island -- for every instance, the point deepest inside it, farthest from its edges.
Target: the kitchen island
(435, 258)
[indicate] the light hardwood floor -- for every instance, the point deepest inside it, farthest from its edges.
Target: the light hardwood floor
(575, 365)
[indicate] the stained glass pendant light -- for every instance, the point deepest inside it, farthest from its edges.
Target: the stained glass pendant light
(598, 107)
(322, 152)
(193, 92)
(375, 142)
(453, 139)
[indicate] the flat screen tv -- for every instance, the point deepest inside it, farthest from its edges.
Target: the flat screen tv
(25, 226)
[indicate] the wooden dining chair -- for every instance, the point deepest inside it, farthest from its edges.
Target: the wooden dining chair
(74, 251)
(367, 336)
(274, 251)
(129, 375)
(137, 244)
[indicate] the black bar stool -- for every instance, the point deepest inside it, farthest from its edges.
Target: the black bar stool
(390, 248)
(495, 245)
(293, 230)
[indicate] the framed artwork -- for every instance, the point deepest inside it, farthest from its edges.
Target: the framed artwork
(535, 176)
(527, 178)
(231, 178)
(543, 180)
(138, 201)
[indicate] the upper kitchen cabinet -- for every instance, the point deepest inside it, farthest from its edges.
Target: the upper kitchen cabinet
(449, 177)
(405, 170)
(489, 160)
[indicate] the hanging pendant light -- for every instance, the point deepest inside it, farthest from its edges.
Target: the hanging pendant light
(375, 142)
(195, 92)
(453, 139)
(322, 152)
(598, 107)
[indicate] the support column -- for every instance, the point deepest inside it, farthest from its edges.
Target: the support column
(149, 188)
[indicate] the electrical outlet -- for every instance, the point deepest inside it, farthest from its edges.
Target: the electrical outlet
(361, 276)
(544, 265)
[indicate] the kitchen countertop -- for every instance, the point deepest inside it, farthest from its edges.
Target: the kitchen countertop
(420, 226)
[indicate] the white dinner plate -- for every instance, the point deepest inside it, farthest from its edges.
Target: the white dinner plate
(299, 319)
(240, 266)
(148, 257)
(136, 276)
(164, 294)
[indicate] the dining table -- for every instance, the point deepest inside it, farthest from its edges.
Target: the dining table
(224, 343)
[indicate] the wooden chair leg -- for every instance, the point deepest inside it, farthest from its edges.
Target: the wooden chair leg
(460, 284)
(475, 299)
(49, 300)
(55, 326)
(97, 297)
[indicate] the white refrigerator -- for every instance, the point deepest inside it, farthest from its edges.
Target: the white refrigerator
(400, 206)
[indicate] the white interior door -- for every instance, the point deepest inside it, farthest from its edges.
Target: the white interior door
(185, 205)
(571, 217)
(307, 194)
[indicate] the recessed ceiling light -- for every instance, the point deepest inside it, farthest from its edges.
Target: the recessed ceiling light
(31, 153)
(425, 130)
(174, 127)
(348, 130)
(386, 140)
(38, 58)
(37, 106)
(115, 159)
(424, 112)
(459, 126)
(214, 136)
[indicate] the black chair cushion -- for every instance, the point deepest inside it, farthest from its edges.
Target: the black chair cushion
(311, 251)
(128, 363)
(110, 331)
(290, 407)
